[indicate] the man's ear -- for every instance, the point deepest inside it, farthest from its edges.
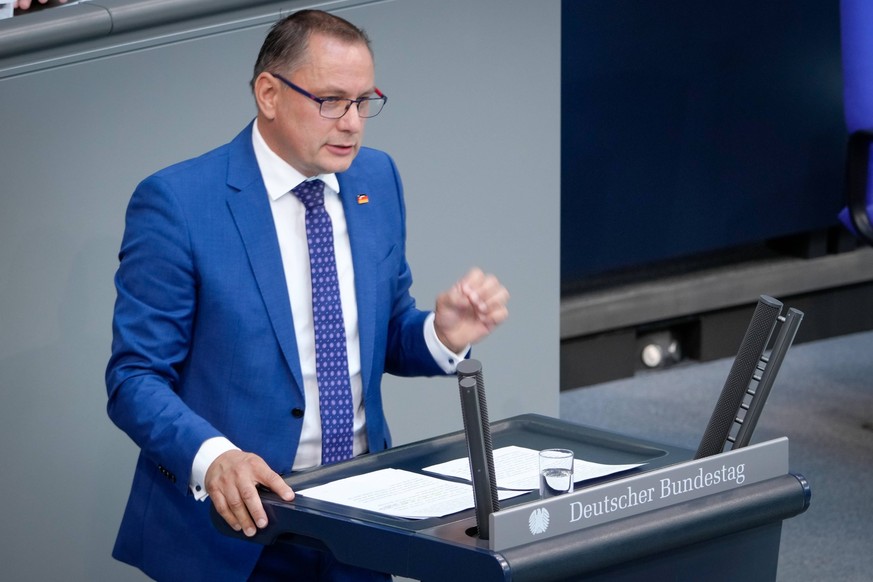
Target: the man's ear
(266, 94)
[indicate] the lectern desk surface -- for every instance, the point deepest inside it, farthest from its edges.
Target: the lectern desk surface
(446, 548)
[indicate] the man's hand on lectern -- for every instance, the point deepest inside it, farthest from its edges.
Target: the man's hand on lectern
(231, 482)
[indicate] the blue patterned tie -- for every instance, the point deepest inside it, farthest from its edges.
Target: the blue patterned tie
(331, 361)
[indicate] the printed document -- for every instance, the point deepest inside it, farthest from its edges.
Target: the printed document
(411, 495)
(517, 468)
(399, 493)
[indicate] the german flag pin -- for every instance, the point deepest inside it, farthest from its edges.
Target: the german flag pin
(363, 198)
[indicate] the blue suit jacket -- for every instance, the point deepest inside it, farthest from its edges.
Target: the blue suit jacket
(204, 344)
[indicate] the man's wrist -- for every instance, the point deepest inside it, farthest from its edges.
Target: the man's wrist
(443, 355)
(447, 344)
(210, 450)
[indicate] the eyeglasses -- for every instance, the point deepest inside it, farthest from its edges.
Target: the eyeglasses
(336, 107)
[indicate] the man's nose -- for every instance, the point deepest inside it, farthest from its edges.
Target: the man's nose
(352, 120)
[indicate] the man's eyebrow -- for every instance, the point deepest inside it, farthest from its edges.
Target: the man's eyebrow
(338, 93)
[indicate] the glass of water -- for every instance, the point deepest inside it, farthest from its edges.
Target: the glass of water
(556, 472)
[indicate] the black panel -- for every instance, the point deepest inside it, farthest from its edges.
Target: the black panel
(612, 355)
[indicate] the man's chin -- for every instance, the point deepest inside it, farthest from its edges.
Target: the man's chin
(336, 165)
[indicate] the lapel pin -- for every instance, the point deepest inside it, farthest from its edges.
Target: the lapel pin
(363, 198)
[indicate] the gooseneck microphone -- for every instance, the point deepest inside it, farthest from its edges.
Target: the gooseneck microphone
(480, 449)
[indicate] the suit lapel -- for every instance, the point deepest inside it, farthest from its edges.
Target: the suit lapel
(251, 212)
(360, 225)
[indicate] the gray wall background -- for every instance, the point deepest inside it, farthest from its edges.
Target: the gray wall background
(474, 93)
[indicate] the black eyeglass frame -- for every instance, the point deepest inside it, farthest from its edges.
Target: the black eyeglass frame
(322, 100)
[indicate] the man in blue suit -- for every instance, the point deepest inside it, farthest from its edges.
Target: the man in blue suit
(213, 370)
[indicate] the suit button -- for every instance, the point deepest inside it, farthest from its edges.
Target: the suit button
(297, 412)
(167, 473)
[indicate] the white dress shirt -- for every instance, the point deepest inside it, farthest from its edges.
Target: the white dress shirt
(289, 216)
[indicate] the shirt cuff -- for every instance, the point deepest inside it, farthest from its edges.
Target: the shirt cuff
(445, 358)
(210, 450)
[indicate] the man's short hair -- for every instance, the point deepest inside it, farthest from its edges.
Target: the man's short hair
(284, 49)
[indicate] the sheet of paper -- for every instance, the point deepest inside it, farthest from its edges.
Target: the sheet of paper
(517, 468)
(399, 493)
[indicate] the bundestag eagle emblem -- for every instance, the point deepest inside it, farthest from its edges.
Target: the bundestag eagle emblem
(538, 522)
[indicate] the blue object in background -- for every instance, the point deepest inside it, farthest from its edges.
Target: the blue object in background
(856, 22)
(690, 127)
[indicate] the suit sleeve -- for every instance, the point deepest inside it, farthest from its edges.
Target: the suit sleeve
(156, 287)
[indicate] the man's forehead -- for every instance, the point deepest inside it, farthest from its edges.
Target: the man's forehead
(333, 65)
(319, 43)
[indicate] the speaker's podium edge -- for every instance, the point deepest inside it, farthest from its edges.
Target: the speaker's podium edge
(733, 534)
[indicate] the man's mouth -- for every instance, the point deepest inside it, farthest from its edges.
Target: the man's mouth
(340, 148)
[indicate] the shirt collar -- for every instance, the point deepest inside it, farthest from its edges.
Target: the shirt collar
(277, 173)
